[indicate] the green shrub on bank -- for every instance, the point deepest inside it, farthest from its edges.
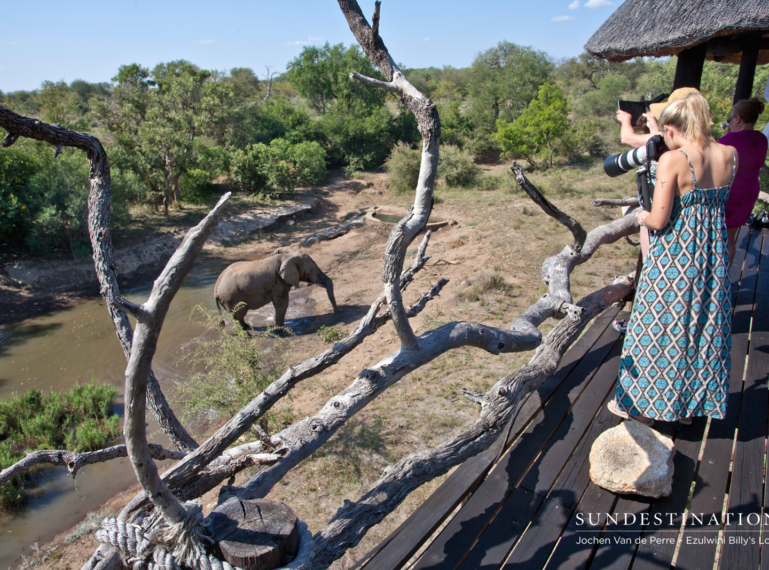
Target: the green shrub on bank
(403, 167)
(456, 167)
(279, 167)
(77, 420)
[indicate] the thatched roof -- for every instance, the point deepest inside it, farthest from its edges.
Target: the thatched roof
(666, 27)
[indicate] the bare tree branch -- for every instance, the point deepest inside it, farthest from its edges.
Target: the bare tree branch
(140, 362)
(375, 19)
(101, 243)
(574, 226)
(622, 202)
(429, 126)
(387, 86)
(75, 461)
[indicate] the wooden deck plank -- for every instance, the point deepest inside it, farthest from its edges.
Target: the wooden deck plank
(747, 489)
(486, 552)
(698, 548)
(539, 540)
(459, 535)
(400, 546)
(571, 552)
(499, 538)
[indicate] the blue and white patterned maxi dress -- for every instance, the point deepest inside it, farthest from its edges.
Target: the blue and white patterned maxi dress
(676, 355)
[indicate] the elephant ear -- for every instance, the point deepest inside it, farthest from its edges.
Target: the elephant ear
(289, 271)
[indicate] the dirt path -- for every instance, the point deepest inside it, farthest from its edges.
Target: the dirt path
(492, 257)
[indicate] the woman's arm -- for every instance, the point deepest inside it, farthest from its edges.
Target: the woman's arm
(627, 133)
(664, 192)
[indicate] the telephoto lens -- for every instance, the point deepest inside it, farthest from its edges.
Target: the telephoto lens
(621, 163)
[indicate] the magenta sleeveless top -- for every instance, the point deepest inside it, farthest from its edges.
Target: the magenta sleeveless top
(751, 149)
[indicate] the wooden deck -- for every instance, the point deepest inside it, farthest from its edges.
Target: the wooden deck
(526, 504)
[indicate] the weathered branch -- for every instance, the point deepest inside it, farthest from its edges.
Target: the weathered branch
(101, 242)
(622, 202)
(574, 226)
(140, 362)
(557, 269)
(75, 461)
(212, 477)
(429, 126)
(375, 19)
(351, 521)
(387, 86)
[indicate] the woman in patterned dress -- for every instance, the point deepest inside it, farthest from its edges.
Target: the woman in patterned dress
(675, 358)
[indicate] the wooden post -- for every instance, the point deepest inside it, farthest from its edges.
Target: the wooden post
(255, 535)
(689, 67)
(747, 73)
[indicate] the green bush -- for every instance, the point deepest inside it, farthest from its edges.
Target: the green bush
(247, 167)
(279, 167)
(197, 186)
(456, 167)
(309, 160)
(77, 420)
(403, 167)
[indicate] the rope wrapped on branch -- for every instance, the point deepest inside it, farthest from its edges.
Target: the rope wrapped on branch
(166, 548)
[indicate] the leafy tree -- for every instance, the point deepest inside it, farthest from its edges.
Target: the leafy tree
(602, 102)
(502, 82)
(275, 118)
(17, 167)
(538, 134)
(156, 118)
(54, 102)
(245, 84)
(321, 75)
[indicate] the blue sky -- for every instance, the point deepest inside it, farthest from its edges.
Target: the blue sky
(74, 39)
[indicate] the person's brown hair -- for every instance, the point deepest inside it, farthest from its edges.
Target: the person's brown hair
(748, 110)
(691, 116)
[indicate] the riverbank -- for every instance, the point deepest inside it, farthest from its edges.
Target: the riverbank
(492, 257)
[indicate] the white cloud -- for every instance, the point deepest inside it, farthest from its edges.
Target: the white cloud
(308, 41)
(561, 18)
(425, 39)
(2, 68)
(574, 5)
(597, 3)
(206, 41)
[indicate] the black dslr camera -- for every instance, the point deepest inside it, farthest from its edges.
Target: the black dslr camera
(638, 158)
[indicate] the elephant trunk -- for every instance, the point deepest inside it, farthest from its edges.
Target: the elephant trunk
(325, 280)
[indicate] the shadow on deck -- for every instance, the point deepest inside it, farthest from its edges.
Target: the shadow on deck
(528, 504)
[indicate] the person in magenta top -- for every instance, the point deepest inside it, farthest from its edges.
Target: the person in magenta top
(751, 147)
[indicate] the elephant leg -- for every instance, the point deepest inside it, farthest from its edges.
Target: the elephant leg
(240, 316)
(280, 302)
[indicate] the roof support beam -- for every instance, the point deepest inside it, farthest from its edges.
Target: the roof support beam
(689, 67)
(744, 85)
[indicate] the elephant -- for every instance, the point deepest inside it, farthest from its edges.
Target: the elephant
(253, 284)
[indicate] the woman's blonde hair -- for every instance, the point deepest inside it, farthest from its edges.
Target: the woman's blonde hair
(691, 116)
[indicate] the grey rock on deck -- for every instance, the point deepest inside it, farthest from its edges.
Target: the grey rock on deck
(532, 508)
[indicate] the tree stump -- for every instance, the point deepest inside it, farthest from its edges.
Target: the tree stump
(255, 535)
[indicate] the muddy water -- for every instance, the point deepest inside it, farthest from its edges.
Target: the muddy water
(77, 344)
